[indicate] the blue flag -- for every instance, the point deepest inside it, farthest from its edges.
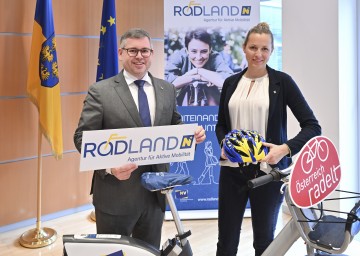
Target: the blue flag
(108, 59)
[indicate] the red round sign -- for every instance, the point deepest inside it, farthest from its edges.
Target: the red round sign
(316, 172)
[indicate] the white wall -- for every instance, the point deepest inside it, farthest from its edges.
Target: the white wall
(348, 56)
(320, 53)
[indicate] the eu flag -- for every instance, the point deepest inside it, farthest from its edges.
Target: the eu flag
(108, 58)
(43, 85)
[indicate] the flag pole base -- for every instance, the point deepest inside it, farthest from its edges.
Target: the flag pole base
(92, 216)
(36, 238)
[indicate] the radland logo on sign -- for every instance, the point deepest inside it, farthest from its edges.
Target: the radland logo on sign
(118, 145)
(316, 173)
(196, 9)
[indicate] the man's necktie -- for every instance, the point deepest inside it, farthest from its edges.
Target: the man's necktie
(143, 103)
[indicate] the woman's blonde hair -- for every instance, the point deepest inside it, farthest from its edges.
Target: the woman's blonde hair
(261, 28)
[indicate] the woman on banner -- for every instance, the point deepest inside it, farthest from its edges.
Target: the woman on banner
(196, 71)
(257, 99)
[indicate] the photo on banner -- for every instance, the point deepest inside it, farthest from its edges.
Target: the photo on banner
(203, 46)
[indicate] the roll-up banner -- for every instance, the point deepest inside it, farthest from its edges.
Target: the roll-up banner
(203, 46)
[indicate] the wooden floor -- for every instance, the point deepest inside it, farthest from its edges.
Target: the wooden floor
(203, 239)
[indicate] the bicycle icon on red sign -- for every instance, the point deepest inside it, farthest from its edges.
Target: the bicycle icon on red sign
(319, 149)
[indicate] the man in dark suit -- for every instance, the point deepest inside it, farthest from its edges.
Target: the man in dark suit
(122, 205)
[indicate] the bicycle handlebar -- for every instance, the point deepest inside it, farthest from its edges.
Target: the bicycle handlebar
(274, 175)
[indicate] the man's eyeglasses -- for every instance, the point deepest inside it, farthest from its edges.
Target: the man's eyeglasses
(133, 52)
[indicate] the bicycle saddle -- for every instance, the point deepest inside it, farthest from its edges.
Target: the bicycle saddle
(331, 231)
(154, 181)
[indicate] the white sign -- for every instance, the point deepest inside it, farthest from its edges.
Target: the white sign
(103, 149)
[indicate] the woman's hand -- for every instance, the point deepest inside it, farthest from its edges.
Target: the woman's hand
(190, 76)
(192, 72)
(276, 153)
(223, 155)
(212, 77)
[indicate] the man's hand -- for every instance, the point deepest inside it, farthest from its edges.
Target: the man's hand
(124, 172)
(200, 134)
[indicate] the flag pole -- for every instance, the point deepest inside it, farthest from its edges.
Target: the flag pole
(38, 237)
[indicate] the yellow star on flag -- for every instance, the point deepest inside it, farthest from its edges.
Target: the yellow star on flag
(111, 21)
(103, 30)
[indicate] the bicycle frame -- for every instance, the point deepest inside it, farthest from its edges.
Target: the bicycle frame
(289, 235)
(184, 249)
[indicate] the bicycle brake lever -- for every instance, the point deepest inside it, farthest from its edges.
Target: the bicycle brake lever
(282, 188)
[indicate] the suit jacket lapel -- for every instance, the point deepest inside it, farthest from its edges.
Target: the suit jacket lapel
(159, 98)
(123, 91)
(274, 90)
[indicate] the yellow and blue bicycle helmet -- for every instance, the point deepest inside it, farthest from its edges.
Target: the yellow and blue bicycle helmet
(244, 146)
